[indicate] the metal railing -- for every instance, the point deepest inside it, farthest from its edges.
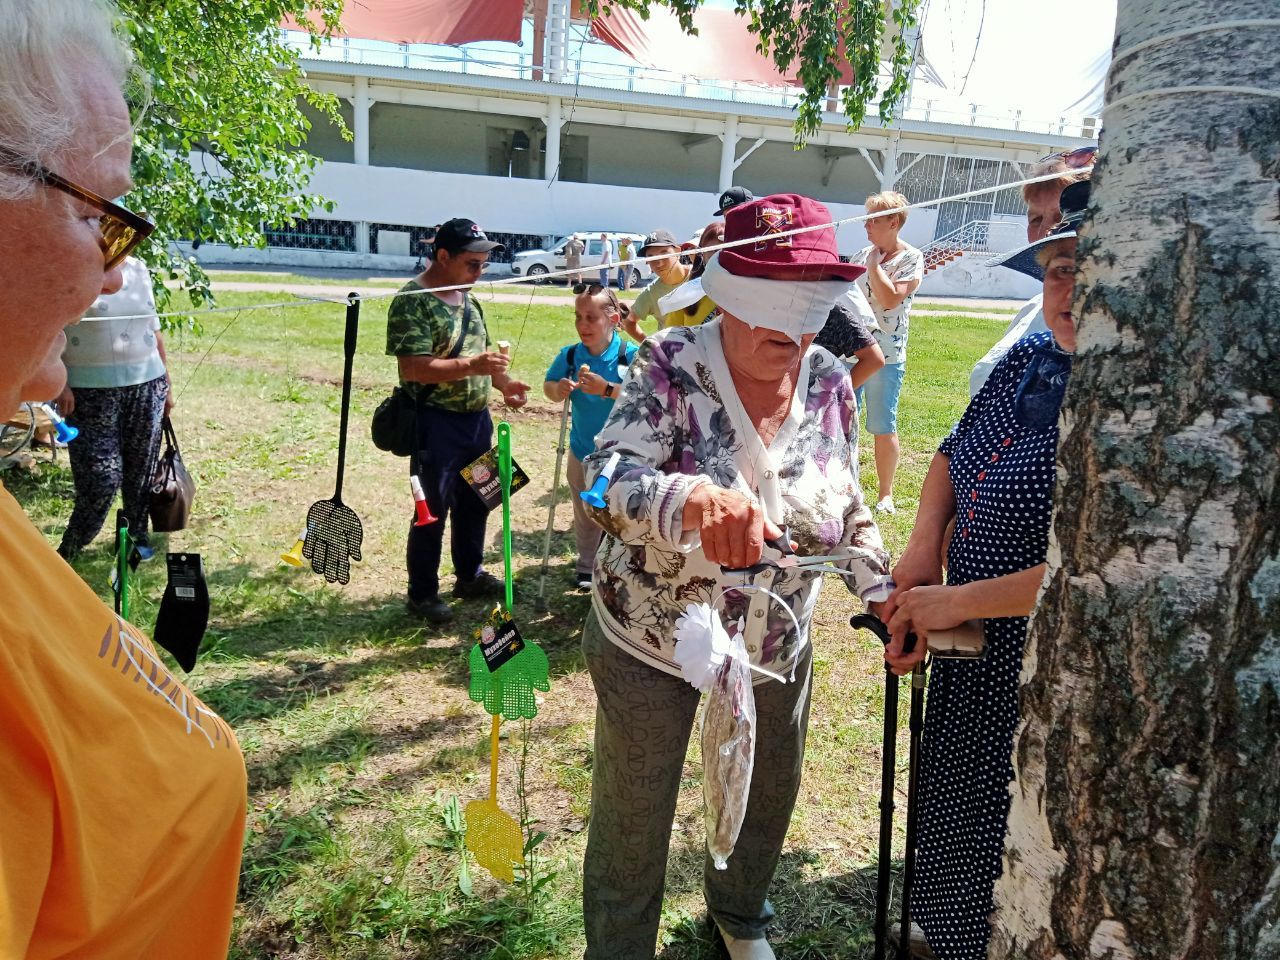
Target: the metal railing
(985, 237)
(582, 70)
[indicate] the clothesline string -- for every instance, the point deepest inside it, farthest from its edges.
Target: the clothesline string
(515, 281)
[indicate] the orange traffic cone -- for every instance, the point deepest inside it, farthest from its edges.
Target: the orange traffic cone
(420, 503)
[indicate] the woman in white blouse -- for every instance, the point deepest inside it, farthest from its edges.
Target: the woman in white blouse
(117, 394)
(727, 433)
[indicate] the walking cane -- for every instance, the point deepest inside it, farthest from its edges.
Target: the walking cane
(540, 603)
(884, 875)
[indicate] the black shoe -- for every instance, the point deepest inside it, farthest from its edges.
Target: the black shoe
(431, 609)
(483, 585)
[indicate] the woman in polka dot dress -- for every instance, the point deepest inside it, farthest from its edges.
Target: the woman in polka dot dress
(994, 474)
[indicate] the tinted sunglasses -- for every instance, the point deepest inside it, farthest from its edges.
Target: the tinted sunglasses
(591, 289)
(1074, 159)
(122, 230)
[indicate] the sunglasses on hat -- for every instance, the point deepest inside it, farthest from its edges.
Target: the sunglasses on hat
(122, 230)
(1075, 159)
(591, 289)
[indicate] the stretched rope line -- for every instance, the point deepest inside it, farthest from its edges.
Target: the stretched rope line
(1191, 32)
(1171, 91)
(513, 281)
(205, 356)
(713, 248)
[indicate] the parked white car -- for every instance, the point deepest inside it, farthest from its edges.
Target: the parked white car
(539, 263)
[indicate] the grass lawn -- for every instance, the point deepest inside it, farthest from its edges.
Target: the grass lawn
(919, 307)
(354, 719)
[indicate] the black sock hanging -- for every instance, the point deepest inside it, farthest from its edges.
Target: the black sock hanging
(184, 609)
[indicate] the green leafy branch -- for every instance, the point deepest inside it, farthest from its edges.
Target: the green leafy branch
(220, 137)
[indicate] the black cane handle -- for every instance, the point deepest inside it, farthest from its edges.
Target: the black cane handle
(869, 621)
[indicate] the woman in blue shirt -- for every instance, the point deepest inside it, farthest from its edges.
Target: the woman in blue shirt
(588, 374)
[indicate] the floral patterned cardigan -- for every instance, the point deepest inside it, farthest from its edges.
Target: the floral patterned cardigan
(678, 424)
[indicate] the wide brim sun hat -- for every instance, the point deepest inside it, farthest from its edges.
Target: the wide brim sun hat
(1074, 203)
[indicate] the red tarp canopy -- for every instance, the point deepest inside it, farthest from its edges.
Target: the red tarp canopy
(724, 49)
(430, 21)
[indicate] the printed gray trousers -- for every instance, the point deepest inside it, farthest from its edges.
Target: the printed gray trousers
(116, 450)
(643, 721)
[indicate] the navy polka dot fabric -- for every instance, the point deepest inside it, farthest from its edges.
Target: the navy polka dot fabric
(1002, 473)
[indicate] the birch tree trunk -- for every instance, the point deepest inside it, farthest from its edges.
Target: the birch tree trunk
(1147, 792)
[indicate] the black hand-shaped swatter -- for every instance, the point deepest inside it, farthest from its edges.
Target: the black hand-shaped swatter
(334, 533)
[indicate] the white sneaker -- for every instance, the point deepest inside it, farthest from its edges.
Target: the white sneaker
(747, 949)
(886, 506)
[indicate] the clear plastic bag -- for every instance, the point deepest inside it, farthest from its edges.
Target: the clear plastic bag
(728, 752)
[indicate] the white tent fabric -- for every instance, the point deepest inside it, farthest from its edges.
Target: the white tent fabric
(1046, 59)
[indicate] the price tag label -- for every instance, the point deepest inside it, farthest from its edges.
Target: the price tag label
(481, 475)
(500, 640)
(185, 572)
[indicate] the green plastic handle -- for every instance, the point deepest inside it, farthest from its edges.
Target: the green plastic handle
(504, 477)
(122, 566)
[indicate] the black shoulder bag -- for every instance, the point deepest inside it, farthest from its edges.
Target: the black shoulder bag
(394, 427)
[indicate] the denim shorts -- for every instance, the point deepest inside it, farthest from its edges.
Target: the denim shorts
(879, 398)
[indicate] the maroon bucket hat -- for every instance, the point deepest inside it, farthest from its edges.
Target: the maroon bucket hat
(801, 256)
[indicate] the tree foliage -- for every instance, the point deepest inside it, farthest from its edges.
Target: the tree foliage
(223, 90)
(822, 35)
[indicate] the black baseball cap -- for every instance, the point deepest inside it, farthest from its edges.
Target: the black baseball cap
(461, 235)
(659, 238)
(732, 197)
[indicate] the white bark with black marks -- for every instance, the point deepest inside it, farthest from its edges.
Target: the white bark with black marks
(1147, 791)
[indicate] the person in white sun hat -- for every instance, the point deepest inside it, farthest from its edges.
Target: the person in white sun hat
(994, 474)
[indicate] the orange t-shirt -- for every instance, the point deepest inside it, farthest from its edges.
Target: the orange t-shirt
(122, 796)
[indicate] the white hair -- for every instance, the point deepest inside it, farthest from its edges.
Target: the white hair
(44, 46)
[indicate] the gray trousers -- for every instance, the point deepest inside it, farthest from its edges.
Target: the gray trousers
(643, 721)
(586, 532)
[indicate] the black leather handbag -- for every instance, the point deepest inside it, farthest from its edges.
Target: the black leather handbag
(172, 487)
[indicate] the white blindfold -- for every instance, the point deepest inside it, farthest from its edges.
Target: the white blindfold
(793, 307)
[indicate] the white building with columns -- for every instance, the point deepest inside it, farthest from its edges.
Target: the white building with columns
(594, 144)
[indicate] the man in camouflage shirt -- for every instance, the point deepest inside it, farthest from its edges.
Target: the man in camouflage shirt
(448, 363)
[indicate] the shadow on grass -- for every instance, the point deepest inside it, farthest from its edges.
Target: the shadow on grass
(353, 745)
(326, 622)
(822, 918)
(340, 877)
